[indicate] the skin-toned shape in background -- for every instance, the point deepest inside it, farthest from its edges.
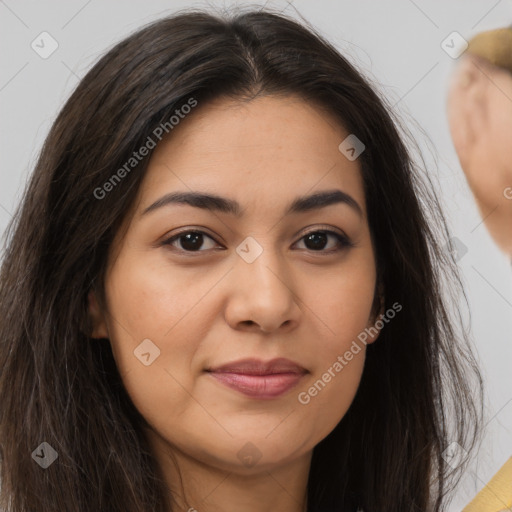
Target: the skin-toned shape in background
(479, 107)
(480, 117)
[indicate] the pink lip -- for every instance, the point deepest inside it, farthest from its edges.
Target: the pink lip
(259, 379)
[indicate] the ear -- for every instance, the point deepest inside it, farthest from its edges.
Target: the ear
(375, 315)
(99, 326)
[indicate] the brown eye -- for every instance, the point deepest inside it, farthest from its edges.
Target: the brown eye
(190, 241)
(317, 240)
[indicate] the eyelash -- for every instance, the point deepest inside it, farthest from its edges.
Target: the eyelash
(343, 241)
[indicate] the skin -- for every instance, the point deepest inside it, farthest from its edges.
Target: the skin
(479, 110)
(212, 307)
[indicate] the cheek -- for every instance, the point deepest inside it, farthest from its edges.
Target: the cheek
(153, 301)
(329, 394)
(342, 308)
(155, 327)
(343, 302)
(339, 358)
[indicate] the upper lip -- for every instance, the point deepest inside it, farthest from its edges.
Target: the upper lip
(258, 367)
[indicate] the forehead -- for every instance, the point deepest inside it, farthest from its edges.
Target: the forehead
(265, 150)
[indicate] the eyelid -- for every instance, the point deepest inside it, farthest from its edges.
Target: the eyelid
(321, 227)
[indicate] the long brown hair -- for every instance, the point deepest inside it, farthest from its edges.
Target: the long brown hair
(60, 386)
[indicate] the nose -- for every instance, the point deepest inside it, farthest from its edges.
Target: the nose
(262, 295)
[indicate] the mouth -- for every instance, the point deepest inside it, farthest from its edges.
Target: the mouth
(259, 379)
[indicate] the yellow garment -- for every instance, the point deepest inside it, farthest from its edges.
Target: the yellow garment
(496, 496)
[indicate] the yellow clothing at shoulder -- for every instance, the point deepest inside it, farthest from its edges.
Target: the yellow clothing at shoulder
(496, 496)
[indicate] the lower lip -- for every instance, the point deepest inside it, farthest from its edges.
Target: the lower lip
(259, 386)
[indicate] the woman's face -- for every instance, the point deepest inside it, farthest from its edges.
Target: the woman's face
(261, 283)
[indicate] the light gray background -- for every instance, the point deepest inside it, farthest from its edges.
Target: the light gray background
(396, 43)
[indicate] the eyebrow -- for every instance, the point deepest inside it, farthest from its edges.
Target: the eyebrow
(214, 202)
